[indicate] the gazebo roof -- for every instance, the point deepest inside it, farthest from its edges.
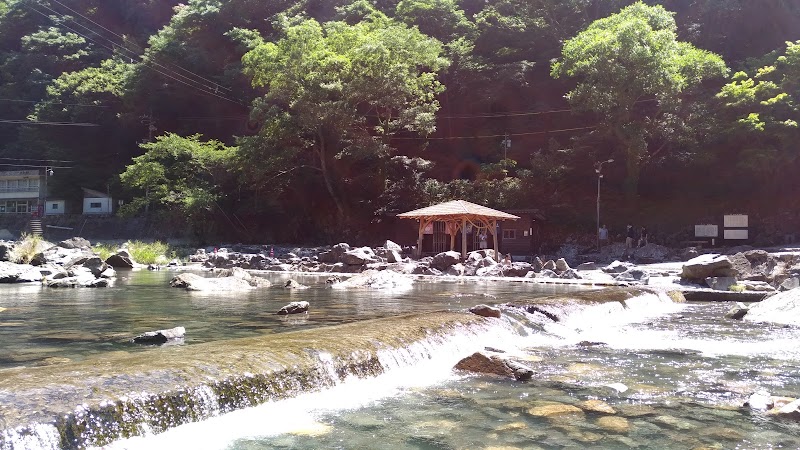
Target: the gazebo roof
(456, 208)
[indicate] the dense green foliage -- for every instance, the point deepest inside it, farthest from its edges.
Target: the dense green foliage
(312, 120)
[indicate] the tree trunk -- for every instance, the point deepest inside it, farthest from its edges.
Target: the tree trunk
(326, 176)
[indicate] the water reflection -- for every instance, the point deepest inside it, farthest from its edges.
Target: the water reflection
(38, 323)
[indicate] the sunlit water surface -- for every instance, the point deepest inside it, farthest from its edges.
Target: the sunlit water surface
(675, 376)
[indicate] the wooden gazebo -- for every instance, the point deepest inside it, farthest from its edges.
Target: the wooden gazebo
(456, 215)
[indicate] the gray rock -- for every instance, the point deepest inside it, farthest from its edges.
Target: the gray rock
(547, 273)
(194, 282)
(75, 242)
(549, 265)
(425, 270)
(160, 337)
(561, 265)
(389, 245)
(634, 275)
(570, 274)
(485, 311)
(517, 269)
(537, 264)
(790, 283)
(783, 308)
(617, 267)
(357, 257)
(392, 256)
(292, 284)
(491, 271)
(445, 260)
(706, 266)
(737, 312)
(120, 261)
(586, 266)
(455, 270)
(294, 308)
(495, 365)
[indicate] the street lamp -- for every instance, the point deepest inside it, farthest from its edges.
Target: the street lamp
(598, 167)
(48, 171)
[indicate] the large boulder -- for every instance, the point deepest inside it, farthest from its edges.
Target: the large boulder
(485, 311)
(617, 267)
(358, 256)
(374, 279)
(495, 365)
(393, 256)
(783, 308)
(634, 275)
(705, 266)
(389, 245)
(561, 265)
(194, 282)
(294, 308)
(122, 260)
(651, 253)
(720, 283)
(160, 337)
(445, 260)
(75, 242)
(517, 269)
(5, 250)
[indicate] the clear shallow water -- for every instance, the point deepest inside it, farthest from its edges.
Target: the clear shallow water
(675, 375)
(44, 325)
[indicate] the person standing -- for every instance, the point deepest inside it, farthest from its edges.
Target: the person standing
(642, 237)
(602, 235)
(482, 237)
(630, 235)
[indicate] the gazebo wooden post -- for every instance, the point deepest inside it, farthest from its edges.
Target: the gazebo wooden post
(422, 225)
(493, 224)
(452, 228)
(464, 237)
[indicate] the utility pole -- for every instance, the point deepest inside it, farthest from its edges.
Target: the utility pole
(506, 144)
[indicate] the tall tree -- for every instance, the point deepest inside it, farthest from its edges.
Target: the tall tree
(626, 60)
(765, 109)
(336, 92)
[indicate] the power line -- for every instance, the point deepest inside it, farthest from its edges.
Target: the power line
(36, 122)
(37, 160)
(113, 51)
(38, 167)
(52, 103)
(564, 130)
(123, 40)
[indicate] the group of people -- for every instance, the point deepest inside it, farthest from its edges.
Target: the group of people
(632, 238)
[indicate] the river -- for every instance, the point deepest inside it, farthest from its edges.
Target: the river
(640, 373)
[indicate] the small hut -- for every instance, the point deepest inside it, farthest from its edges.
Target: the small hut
(455, 216)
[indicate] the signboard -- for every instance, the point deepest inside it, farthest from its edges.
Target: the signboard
(735, 221)
(736, 235)
(706, 231)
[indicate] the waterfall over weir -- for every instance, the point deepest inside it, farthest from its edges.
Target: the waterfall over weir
(103, 399)
(91, 403)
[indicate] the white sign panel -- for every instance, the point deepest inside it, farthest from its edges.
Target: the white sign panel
(707, 230)
(735, 221)
(736, 234)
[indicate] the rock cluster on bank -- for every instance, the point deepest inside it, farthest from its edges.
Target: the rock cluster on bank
(70, 263)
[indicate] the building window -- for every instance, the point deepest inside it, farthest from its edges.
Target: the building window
(54, 206)
(509, 234)
(94, 205)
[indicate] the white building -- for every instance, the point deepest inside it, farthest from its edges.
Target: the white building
(96, 202)
(20, 191)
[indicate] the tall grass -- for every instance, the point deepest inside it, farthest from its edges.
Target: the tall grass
(149, 252)
(105, 250)
(141, 252)
(26, 248)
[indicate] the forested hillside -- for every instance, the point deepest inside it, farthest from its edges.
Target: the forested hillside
(314, 120)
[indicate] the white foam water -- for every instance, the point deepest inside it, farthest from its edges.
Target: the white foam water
(423, 363)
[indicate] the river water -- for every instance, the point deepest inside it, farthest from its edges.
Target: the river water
(643, 373)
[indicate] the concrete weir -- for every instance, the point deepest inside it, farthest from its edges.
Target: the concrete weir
(102, 399)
